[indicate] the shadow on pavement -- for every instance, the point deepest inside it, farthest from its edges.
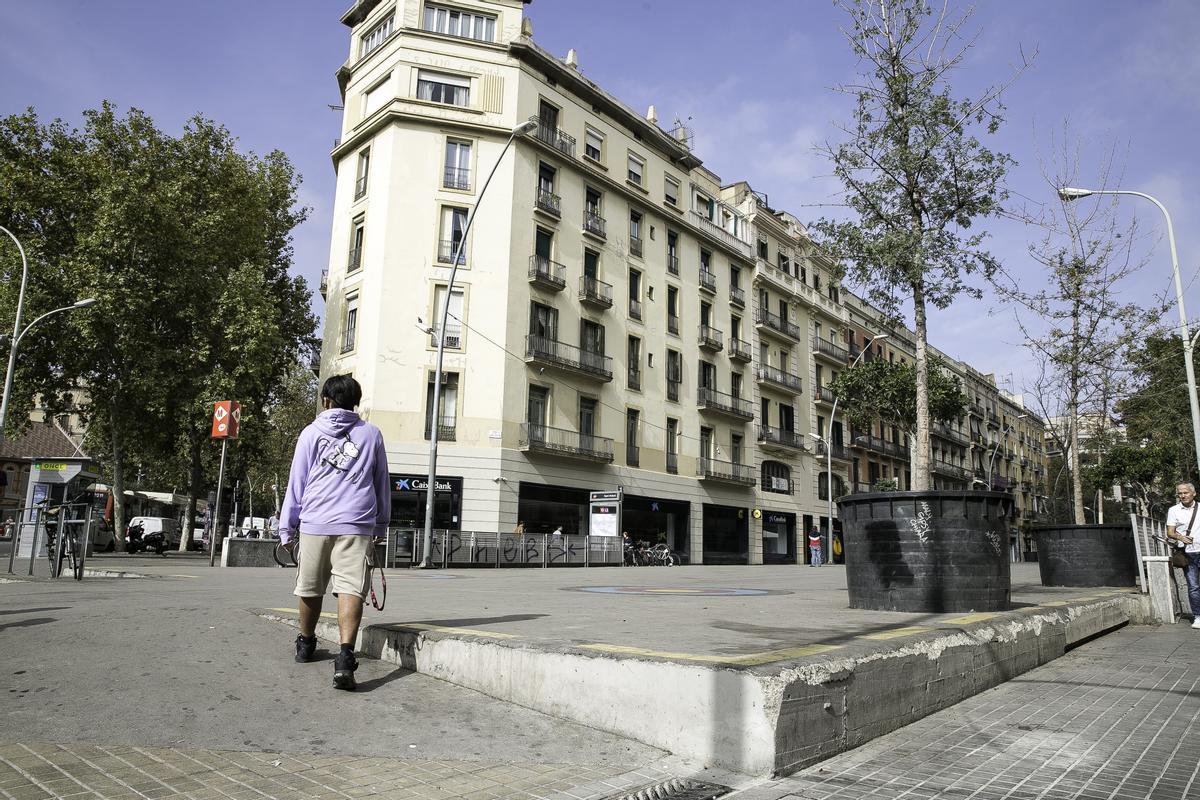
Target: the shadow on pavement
(28, 623)
(6, 612)
(383, 680)
(472, 621)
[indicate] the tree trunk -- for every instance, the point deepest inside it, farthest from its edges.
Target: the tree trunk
(920, 478)
(118, 490)
(1073, 468)
(194, 479)
(1073, 414)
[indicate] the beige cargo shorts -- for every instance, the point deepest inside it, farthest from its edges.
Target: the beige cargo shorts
(342, 558)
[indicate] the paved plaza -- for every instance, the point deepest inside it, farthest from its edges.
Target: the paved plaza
(175, 685)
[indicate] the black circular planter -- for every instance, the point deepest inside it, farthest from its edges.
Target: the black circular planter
(1086, 555)
(932, 552)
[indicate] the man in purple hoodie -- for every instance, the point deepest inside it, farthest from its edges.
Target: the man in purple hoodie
(338, 499)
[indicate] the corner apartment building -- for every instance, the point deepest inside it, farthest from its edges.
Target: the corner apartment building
(620, 317)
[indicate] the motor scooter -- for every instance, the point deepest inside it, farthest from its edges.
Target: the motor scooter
(136, 540)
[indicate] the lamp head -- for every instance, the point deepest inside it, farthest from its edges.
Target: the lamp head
(1068, 193)
(91, 301)
(525, 127)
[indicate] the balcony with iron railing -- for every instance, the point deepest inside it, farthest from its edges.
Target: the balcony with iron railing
(948, 433)
(861, 488)
(635, 308)
(823, 394)
(722, 403)
(547, 274)
(880, 445)
(739, 350)
(446, 250)
(360, 187)
(949, 470)
(456, 178)
(536, 438)
(831, 351)
(839, 451)
(780, 378)
(772, 322)
(553, 353)
(737, 297)
(635, 378)
(354, 260)
(709, 338)
(554, 137)
(453, 336)
(708, 280)
(549, 202)
(446, 429)
(673, 264)
(716, 232)
(635, 246)
(780, 438)
(594, 224)
(709, 469)
(595, 293)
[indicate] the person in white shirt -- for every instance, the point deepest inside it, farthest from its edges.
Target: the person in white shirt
(1183, 527)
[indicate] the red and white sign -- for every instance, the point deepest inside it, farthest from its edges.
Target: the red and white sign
(227, 415)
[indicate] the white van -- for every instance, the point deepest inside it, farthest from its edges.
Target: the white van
(169, 527)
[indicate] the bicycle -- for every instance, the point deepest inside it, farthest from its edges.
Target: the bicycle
(70, 555)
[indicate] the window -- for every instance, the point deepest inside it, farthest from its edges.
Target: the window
(354, 260)
(543, 321)
(637, 165)
(735, 384)
(374, 97)
(674, 374)
(466, 24)
(587, 421)
(776, 477)
(454, 324)
(635, 362)
(735, 277)
(635, 294)
(673, 252)
(360, 178)
(762, 250)
(735, 448)
(448, 407)
(591, 337)
(672, 445)
(376, 36)
(631, 437)
(457, 174)
(593, 145)
(350, 323)
(546, 174)
(816, 280)
(591, 264)
(593, 221)
(735, 327)
(708, 375)
(671, 190)
(705, 206)
(454, 225)
(635, 233)
(839, 486)
(787, 418)
(438, 87)
(672, 310)
(536, 408)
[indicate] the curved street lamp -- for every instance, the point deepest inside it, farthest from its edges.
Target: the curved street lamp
(1067, 194)
(827, 440)
(435, 413)
(1004, 431)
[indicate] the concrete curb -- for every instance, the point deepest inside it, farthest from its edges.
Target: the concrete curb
(766, 719)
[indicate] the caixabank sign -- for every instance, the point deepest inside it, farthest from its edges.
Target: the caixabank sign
(420, 483)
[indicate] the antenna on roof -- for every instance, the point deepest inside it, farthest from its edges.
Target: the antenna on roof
(682, 132)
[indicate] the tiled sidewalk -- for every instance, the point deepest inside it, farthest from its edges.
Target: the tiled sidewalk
(28, 772)
(1116, 719)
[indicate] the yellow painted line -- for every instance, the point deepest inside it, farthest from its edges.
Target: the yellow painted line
(326, 614)
(421, 626)
(897, 633)
(969, 618)
(749, 660)
(673, 591)
(183, 576)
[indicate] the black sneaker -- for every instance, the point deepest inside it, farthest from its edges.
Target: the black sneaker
(306, 646)
(343, 671)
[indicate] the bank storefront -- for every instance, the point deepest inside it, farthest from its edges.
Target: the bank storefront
(778, 537)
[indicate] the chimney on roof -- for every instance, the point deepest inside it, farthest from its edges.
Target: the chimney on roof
(572, 59)
(652, 116)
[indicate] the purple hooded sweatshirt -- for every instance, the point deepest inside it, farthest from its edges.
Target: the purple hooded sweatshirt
(339, 480)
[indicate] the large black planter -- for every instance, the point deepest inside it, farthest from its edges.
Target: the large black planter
(1086, 555)
(933, 552)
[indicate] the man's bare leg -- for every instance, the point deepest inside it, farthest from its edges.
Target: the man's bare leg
(310, 612)
(350, 611)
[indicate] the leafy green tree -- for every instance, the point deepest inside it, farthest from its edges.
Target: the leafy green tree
(885, 391)
(186, 244)
(916, 176)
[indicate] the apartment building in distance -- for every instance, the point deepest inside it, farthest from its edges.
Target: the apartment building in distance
(620, 317)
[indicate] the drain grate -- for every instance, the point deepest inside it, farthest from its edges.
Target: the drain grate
(674, 789)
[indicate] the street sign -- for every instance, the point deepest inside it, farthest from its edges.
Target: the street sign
(227, 416)
(605, 513)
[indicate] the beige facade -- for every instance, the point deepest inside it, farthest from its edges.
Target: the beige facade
(620, 317)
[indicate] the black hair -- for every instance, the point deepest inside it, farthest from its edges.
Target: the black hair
(342, 391)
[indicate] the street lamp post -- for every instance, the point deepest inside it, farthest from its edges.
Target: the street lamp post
(828, 441)
(12, 350)
(1067, 194)
(427, 546)
(996, 449)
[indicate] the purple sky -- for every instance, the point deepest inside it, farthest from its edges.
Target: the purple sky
(755, 78)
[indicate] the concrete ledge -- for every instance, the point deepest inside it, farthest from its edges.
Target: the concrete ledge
(741, 713)
(237, 552)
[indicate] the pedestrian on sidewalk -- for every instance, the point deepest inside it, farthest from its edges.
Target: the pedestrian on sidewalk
(1183, 530)
(814, 548)
(338, 500)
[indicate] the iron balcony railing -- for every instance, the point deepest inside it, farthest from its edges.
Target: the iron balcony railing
(595, 292)
(360, 188)
(354, 261)
(776, 323)
(635, 378)
(673, 463)
(635, 246)
(708, 280)
(446, 431)
(635, 308)
(725, 471)
(825, 395)
(544, 132)
(712, 400)
(633, 455)
(446, 250)
(710, 338)
(549, 202)
(951, 470)
(539, 438)
(547, 273)
(453, 336)
(739, 350)
(946, 432)
(880, 445)
(832, 350)
(737, 297)
(348, 340)
(673, 325)
(673, 264)
(594, 224)
(780, 436)
(456, 178)
(778, 377)
(544, 350)
(839, 451)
